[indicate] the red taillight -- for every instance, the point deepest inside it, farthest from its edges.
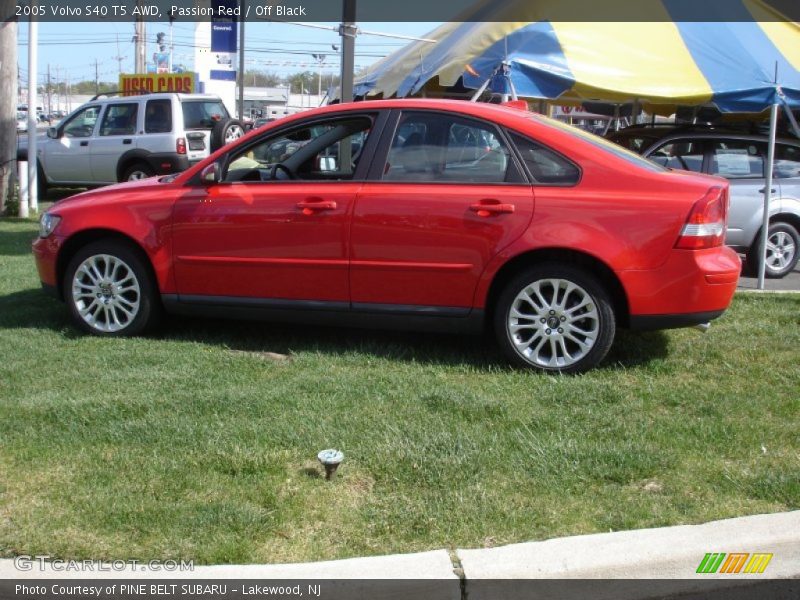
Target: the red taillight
(705, 225)
(180, 146)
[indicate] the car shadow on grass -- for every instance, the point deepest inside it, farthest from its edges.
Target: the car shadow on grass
(31, 308)
(16, 243)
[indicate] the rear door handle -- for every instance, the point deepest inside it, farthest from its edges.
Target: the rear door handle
(489, 208)
(762, 190)
(314, 204)
(84, 143)
(127, 141)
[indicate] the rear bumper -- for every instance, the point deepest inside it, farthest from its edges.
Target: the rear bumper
(164, 163)
(693, 286)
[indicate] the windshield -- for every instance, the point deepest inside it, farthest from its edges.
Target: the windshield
(603, 144)
(203, 114)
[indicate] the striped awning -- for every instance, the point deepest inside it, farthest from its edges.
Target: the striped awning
(742, 64)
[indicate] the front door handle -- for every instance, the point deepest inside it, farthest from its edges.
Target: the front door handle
(311, 205)
(489, 208)
(128, 141)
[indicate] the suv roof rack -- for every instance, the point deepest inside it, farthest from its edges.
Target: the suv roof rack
(120, 92)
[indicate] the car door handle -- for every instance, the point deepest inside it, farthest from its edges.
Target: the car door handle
(489, 208)
(127, 141)
(762, 190)
(309, 206)
(84, 143)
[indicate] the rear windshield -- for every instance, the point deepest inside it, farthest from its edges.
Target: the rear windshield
(203, 114)
(603, 144)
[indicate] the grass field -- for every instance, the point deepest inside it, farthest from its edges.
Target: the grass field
(200, 443)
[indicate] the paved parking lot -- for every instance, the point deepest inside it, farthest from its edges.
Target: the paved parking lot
(789, 283)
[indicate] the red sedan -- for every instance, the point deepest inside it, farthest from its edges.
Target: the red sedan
(427, 214)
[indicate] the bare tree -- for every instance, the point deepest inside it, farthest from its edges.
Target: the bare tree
(8, 98)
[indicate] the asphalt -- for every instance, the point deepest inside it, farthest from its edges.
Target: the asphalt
(789, 283)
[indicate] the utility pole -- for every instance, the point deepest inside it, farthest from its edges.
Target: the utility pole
(140, 40)
(119, 58)
(8, 99)
(348, 31)
(49, 93)
(96, 78)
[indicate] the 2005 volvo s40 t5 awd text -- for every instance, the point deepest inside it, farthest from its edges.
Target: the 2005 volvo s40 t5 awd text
(429, 214)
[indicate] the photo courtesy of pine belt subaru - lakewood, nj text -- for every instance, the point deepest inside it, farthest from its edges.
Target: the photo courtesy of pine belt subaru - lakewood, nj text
(428, 214)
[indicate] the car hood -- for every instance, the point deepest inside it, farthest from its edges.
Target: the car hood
(119, 191)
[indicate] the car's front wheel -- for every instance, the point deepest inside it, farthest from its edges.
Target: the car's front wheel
(109, 290)
(556, 318)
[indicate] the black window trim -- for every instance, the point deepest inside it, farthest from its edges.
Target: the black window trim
(533, 181)
(381, 154)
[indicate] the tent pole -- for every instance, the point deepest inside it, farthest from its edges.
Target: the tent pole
(773, 125)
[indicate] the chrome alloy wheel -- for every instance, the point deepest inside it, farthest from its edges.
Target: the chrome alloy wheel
(780, 250)
(106, 293)
(234, 132)
(553, 323)
(137, 175)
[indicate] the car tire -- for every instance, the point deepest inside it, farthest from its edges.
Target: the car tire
(225, 132)
(554, 318)
(110, 291)
(138, 171)
(783, 250)
(41, 182)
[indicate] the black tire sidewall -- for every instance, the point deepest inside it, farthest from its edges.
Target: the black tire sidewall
(218, 132)
(571, 273)
(149, 307)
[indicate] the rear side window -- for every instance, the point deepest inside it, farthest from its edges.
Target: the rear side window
(680, 154)
(432, 147)
(203, 114)
(787, 161)
(158, 116)
(737, 159)
(120, 119)
(544, 165)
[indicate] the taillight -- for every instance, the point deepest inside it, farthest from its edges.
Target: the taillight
(180, 146)
(705, 225)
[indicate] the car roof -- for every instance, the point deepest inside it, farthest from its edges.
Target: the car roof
(155, 96)
(695, 132)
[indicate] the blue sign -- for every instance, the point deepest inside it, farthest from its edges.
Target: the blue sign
(223, 30)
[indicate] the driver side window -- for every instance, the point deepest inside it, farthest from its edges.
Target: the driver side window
(324, 151)
(82, 124)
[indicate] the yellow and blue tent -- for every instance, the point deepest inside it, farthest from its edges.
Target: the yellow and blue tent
(746, 61)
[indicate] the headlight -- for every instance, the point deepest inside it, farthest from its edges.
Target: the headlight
(47, 224)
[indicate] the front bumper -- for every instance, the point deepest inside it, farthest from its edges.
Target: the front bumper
(45, 254)
(691, 287)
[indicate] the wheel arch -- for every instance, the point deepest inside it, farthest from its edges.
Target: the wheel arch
(81, 239)
(577, 258)
(130, 158)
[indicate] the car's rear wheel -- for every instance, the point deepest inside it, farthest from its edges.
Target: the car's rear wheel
(138, 171)
(555, 318)
(783, 250)
(225, 132)
(109, 290)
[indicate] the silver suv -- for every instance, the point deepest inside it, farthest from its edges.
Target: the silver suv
(740, 158)
(113, 139)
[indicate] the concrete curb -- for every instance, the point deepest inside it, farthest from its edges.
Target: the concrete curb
(668, 553)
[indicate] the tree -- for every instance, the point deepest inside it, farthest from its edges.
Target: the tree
(255, 78)
(305, 80)
(8, 99)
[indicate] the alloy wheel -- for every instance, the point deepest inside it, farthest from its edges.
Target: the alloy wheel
(106, 293)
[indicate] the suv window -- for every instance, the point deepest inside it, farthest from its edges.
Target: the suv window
(680, 154)
(787, 161)
(737, 159)
(545, 166)
(82, 124)
(158, 116)
(434, 147)
(119, 119)
(328, 150)
(203, 114)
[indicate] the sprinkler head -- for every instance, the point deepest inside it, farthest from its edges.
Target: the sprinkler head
(330, 459)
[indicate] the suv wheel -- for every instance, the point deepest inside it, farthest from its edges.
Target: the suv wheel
(225, 132)
(783, 246)
(109, 290)
(138, 171)
(554, 318)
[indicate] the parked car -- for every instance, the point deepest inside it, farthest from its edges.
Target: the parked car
(22, 121)
(113, 139)
(740, 158)
(551, 237)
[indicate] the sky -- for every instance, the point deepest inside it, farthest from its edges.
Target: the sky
(71, 49)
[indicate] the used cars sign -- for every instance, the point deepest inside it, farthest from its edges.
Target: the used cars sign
(157, 82)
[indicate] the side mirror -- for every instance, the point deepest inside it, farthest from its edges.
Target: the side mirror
(211, 174)
(52, 132)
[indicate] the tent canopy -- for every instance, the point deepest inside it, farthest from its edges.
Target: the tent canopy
(745, 62)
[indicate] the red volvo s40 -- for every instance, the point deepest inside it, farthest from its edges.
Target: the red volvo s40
(427, 214)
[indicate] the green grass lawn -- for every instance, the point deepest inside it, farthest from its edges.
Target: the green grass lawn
(200, 442)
